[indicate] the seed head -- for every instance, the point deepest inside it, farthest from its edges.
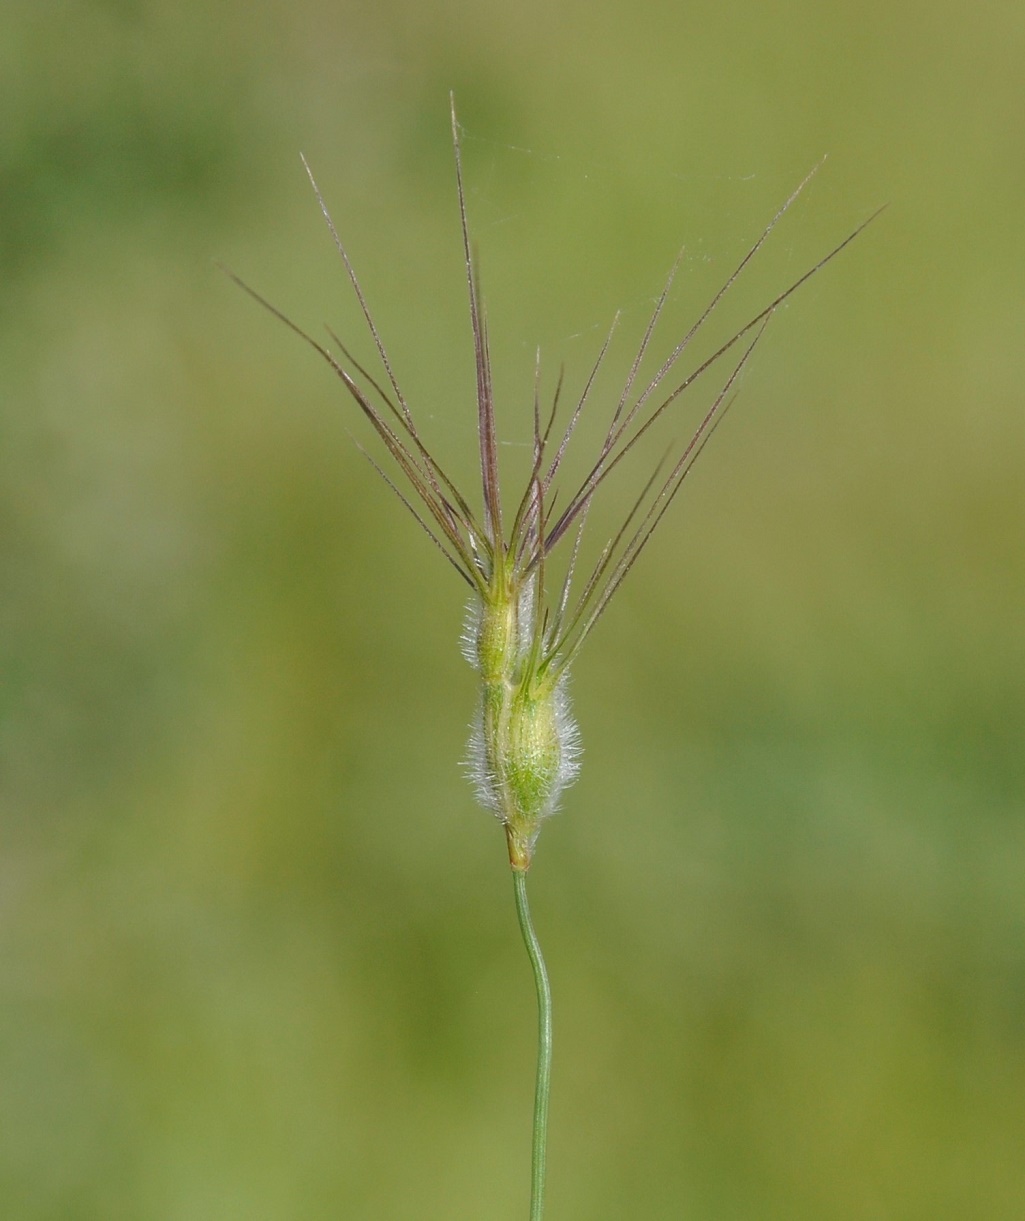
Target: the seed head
(520, 638)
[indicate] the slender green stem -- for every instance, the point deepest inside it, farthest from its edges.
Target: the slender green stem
(544, 1048)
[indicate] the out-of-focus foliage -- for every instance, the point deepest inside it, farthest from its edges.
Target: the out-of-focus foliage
(258, 956)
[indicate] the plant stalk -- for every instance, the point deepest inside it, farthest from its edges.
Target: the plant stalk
(544, 1047)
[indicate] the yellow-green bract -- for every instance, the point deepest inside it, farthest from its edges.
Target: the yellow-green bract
(524, 747)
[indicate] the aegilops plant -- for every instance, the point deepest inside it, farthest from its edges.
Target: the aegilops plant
(522, 637)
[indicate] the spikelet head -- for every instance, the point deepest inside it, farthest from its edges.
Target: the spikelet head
(524, 745)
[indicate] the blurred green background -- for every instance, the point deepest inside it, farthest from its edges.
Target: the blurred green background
(258, 955)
